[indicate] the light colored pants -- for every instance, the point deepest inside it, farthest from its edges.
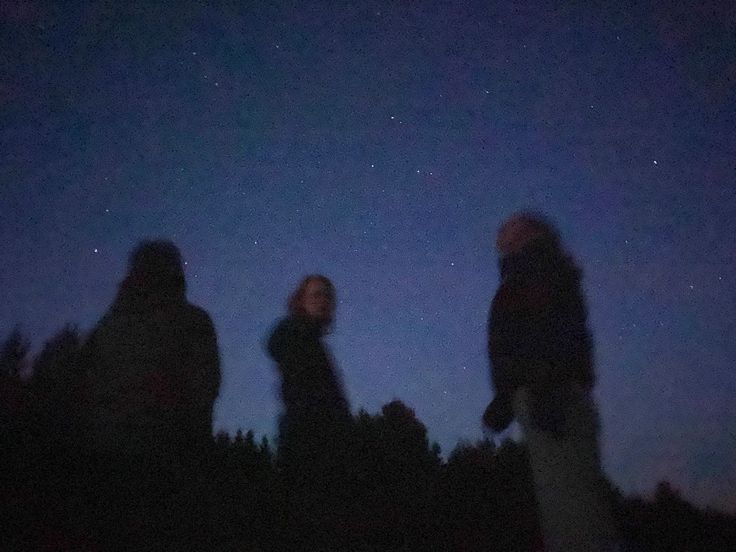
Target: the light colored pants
(568, 482)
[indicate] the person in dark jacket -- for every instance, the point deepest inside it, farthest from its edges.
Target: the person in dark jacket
(153, 374)
(153, 362)
(312, 394)
(537, 329)
(541, 356)
(314, 428)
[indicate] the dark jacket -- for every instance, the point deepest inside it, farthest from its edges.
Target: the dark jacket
(314, 445)
(310, 388)
(153, 375)
(537, 333)
(315, 425)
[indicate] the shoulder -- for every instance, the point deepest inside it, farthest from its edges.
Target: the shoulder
(288, 326)
(285, 328)
(198, 319)
(288, 333)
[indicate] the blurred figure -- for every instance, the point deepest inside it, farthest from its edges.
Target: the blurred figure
(153, 374)
(315, 426)
(541, 357)
(314, 401)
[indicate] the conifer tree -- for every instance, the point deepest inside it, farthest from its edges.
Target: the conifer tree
(13, 353)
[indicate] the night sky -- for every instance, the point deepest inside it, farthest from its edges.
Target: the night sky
(382, 145)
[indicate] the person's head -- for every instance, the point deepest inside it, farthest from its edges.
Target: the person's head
(155, 270)
(523, 229)
(314, 299)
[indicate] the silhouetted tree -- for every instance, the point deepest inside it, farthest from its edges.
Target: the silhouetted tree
(398, 493)
(13, 353)
(394, 475)
(59, 416)
(487, 498)
(58, 378)
(14, 394)
(471, 507)
(16, 464)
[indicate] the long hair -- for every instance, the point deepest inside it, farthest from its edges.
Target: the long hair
(295, 304)
(155, 272)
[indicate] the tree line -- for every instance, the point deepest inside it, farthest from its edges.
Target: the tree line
(400, 494)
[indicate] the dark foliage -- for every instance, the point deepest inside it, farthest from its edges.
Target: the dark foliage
(13, 354)
(397, 492)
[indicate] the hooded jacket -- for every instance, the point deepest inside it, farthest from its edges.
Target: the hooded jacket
(153, 374)
(537, 333)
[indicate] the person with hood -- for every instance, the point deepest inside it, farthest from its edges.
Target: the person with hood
(153, 374)
(541, 356)
(315, 426)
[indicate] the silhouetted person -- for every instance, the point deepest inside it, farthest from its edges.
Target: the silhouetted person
(315, 425)
(541, 356)
(153, 375)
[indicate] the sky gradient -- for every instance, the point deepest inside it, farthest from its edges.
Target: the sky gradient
(382, 144)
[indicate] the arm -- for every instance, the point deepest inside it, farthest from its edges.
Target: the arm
(203, 373)
(513, 348)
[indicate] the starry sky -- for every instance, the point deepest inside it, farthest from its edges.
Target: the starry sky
(382, 144)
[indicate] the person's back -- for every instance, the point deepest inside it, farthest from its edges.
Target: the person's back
(152, 371)
(153, 377)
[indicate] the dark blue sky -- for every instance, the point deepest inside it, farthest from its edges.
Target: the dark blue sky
(382, 144)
